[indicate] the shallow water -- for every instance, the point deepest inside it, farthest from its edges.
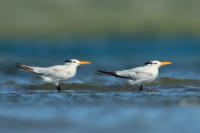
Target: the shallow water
(94, 103)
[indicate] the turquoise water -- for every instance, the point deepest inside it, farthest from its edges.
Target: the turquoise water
(93, 103)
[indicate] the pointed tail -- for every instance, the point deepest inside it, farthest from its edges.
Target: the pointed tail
(110, 74)
(24, 67)
(106, 73)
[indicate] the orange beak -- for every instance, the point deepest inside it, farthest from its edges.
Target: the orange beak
(166, 63)
(84, 62)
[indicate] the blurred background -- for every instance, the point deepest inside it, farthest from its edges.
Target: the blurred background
(113, 35)
(50, 18)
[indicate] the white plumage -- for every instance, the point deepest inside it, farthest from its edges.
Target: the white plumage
(55, 74)
(140, 75)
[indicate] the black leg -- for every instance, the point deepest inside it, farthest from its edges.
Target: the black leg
(58, 88)
(141, 88)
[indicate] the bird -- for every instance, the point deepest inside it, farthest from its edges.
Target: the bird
(140, 75)
(55, 74)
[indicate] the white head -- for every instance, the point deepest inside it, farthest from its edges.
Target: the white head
(158, 64)
(76, 62)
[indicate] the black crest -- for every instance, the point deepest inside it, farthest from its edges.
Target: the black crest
(68, 61)
(147, 63)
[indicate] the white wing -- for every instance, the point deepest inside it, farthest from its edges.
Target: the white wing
(135, 73)
(54, 72)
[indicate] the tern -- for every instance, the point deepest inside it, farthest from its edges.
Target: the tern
(139, 75)
(55, 74)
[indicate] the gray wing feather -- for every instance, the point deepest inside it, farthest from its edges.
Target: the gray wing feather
(49, 71)
(135, 73)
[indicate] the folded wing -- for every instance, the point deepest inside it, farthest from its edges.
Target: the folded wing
(135, 74)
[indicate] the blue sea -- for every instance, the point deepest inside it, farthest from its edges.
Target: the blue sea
(95, 103)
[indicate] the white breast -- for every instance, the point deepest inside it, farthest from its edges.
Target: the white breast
(143, 75)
